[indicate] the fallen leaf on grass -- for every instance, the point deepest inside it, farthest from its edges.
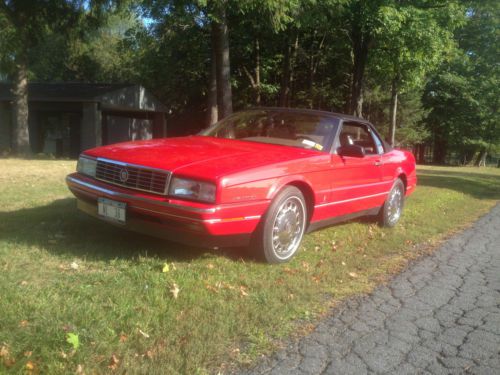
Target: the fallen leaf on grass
(343, 263)
(72, 338)
(113, 362)
(144, 334)
(175, 290)
(165, 268)
(210, 266)
(28, 354)
(123, 337)
(212, 288)
(243, 291)
(30, 366)
(74, 266)
(79, 369)
(7, 360)
(317, 248)
(23, 283)
(354, 275)
(23, 323)
(290, 271)
(306, 266)
(280, 281)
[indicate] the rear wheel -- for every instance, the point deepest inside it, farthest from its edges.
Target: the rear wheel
(283, 226)
(393, 207)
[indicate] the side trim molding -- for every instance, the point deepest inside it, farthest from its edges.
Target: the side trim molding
(335, 220)
(350, 200)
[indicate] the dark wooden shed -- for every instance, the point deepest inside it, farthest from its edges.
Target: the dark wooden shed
(67, 118)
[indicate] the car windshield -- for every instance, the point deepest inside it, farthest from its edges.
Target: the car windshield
(287, 128)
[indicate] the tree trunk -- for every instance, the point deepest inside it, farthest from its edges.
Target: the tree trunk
(360, 40)
(360, 56)
(20, 114)
(481, 159)
(421, 153)
(314, 60)
(224, 92)
(394, 111)
(212, 109)
(439, 149)
(287, 77)
(257, 72)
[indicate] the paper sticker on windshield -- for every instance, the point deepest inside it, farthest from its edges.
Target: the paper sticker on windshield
(309, 143)
(312, 144)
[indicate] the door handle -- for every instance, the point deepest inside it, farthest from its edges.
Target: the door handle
(378, 163)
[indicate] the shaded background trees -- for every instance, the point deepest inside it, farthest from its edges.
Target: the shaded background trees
(424, 71)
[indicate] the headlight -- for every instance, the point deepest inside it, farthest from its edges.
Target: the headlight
(86, 166)
(190, 189)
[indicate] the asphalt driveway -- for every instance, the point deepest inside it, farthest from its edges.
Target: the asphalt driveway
(440, 316)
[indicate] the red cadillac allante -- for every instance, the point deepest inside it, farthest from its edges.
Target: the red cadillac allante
(259, 178)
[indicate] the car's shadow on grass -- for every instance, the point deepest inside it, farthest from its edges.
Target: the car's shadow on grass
(477, 185)
(61, 229)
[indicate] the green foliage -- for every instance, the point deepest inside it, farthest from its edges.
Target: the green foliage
(446, 50)
(464, 95)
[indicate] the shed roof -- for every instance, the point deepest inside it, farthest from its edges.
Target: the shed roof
(111, 96)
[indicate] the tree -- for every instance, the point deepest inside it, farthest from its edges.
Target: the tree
(411, 42)
(26, 24)
(362, 19)
(463, 96)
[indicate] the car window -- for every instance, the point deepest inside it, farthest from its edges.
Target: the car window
(288, 128)
(378, 142)
(357, 134)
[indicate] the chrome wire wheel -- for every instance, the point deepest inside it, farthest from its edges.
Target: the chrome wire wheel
(395, 205)
(288, 227)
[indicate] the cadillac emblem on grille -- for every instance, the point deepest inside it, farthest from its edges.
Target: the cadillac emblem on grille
(123, 175)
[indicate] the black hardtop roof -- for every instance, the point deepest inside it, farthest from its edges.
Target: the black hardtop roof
(341, 116)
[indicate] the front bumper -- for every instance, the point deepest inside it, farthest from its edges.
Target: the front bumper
(191, 223)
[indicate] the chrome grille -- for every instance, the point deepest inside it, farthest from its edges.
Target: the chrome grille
(133, 176)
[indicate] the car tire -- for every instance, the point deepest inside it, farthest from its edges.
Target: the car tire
(280, 232)
(391, 211)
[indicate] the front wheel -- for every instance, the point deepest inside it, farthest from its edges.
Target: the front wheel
(392, 209)
(282, 229)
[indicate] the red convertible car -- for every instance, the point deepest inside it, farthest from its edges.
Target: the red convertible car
(259, 178)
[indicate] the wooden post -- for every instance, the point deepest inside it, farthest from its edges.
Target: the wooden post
(91, 131)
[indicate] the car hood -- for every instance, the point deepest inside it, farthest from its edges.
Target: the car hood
(198, 156)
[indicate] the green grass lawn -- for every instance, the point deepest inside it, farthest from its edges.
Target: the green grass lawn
(77, 295)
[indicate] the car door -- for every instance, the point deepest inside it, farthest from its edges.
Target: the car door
(357, 182)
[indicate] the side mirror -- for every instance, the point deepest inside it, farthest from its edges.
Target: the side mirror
(351, 150)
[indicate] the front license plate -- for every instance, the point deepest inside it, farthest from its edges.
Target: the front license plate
(112, 210)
